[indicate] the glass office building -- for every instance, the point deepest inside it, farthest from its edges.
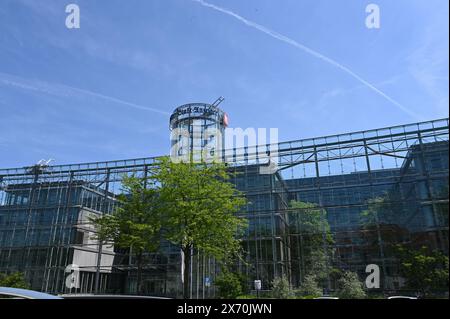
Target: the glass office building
(363, 192)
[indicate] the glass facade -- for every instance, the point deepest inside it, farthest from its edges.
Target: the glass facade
(44, 228)
(348, 199)
(409, 206)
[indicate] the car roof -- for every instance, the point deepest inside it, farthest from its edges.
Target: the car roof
(26, 293)
(93, 296)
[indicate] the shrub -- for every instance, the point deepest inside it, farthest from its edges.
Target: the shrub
(229, 285)
(280, 288)
(350, 287)
(14, 280)
(309, 287)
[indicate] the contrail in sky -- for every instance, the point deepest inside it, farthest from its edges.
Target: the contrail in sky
(65, 90)
(310, 51)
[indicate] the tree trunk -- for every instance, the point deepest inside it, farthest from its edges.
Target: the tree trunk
(97, 271)
(187, 272)
(139, 274)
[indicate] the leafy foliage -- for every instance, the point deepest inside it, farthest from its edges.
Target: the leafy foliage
(309, 287)
(229, 285)
(424, 270)
(14, 280)
(200, 206)
(350, 287)
(318, 265)
(135, 224)
(280, 288)
(191, 205)
(310, 224)
(381, 210)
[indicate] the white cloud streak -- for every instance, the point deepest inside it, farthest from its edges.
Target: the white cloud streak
(67, 91)
(310, 51)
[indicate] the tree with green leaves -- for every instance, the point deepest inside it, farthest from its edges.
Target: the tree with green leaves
(319, 261)
(14, 280)
(309, 224)
(228, 284)
(350, 287)
(281, 288)
(200, 206)
(425, 270)
(135, 224)
(381, 222)
(310, 287)
(371, 219)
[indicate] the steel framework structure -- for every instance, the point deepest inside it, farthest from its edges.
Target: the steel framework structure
(43, 209)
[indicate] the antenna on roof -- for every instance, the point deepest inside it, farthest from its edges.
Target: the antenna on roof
(39, 167)
(44, 163)
(218, 101)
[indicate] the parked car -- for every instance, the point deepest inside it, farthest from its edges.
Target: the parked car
(401, 297)
(92, 296)
(17, 293)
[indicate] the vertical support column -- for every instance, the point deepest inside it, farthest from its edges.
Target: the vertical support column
(430, 196)
(100, 243)
(273, 228)
(379, 237)
(68, 207)
(318, 185)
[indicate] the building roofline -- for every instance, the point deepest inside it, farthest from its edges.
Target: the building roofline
(148, 161)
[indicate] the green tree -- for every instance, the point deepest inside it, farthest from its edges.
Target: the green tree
(309, 286)
(310, 225)
(244, 280)
(229, 285)
(136, 223)
(14, 280)
(424, 270)
(378, 210)
(319, 264)
(335, 274)
(200, 206)
(280, 288)
(350, 287)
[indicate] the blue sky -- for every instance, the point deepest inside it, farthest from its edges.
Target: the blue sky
(105, 91)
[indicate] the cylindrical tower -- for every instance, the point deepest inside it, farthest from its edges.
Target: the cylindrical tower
(197, 132)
